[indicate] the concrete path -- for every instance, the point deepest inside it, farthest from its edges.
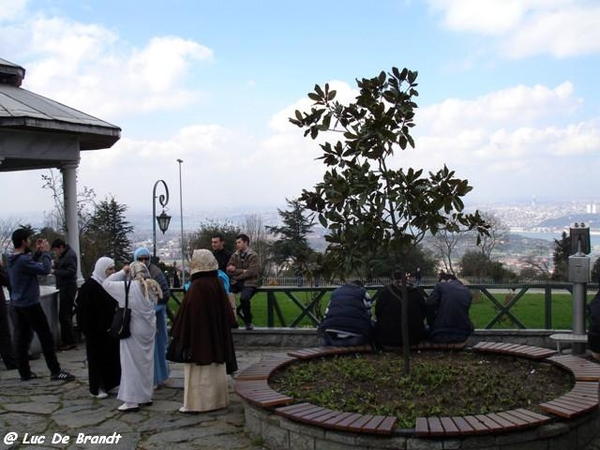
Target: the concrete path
(42, 414)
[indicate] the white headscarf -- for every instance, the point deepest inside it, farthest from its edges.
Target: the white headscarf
(101, 267)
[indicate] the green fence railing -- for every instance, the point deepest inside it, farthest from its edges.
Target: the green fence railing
(304, 306)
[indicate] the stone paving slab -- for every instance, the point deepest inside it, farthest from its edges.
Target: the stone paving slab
(48, 414)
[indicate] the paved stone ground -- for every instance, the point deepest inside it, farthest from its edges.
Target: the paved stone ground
(55, 409)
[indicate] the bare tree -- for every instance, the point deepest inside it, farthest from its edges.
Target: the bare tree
(539, 260)
(498, 233)
(7, 226)
(260, 242)
(444, 245)
(85, 202)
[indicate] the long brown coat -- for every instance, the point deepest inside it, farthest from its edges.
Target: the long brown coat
(203, 323)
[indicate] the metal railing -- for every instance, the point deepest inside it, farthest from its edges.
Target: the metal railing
(309, 301)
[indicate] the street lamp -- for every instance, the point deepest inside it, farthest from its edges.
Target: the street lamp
(164, 219)
(181, 215)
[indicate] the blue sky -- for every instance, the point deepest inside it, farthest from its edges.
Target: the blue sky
(508, 91)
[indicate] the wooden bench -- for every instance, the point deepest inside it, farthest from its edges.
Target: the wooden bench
(525, 351)
(580, 400)
(338, 420)
(479, 424)
(582, 369)
(568, 338)
(252, 385)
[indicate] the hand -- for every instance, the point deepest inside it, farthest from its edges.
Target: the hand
(230, 268)
(42, 245)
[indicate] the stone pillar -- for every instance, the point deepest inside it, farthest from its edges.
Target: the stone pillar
(69, 173)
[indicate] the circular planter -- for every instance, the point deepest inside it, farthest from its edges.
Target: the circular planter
(569, 422)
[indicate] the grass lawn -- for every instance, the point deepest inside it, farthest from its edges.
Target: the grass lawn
(529, 309)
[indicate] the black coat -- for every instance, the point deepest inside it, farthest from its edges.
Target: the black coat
(448, 312)
(95, 309)
(388, 314)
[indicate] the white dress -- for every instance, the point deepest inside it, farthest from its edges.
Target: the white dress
(137, 351)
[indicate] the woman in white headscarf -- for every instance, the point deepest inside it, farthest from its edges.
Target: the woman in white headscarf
(95, 309)
(137, 351)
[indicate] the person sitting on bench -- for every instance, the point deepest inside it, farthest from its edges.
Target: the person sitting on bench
(388, 314)
(448, 311)
(347, 320)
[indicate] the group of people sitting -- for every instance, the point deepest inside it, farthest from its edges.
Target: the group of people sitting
(443, 317)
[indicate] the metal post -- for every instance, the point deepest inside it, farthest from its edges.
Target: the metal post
(163, 199)
(181, 215)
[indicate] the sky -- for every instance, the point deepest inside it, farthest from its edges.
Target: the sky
(508, 94)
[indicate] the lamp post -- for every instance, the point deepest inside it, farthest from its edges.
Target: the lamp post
(163, 219)
(180, 161)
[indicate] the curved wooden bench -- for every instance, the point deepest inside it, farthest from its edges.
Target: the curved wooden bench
(252, 385)
(525, 351)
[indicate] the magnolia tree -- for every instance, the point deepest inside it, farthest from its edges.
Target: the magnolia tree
(369, 207)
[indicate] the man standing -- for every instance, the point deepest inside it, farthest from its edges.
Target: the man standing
(222, 255)
(448, 311)
(26, 310)
(243, 268)
(65, 271)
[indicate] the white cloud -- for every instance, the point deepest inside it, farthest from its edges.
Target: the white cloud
(12, 9)
(519, 105)
(522, 28)
(90, 68)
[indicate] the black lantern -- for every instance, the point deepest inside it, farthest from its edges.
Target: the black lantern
(163, 221)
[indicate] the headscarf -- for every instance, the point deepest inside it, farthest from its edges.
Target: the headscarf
(203, 261)
(142, 251)
(101, 267)
(138, 271)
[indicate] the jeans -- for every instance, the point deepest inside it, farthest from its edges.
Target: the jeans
(26, 320)
(244, 311)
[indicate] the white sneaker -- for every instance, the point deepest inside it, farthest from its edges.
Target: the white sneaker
(99, 395)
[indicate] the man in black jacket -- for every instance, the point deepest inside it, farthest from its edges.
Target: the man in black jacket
(65, 271)
(448, 311)
(388, 314)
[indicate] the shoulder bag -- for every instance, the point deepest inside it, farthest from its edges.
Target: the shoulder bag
(119, 327)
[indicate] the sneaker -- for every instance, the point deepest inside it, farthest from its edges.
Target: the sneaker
(99, 395)
(62, 376)
(249, 327)
(32, 376)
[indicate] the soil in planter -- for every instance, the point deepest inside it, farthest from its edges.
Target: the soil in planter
(439, 384)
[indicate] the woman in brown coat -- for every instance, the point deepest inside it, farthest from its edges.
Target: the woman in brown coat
(203, 328)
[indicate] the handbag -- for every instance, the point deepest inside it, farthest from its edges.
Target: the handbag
(176, 352)
(119, 328)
